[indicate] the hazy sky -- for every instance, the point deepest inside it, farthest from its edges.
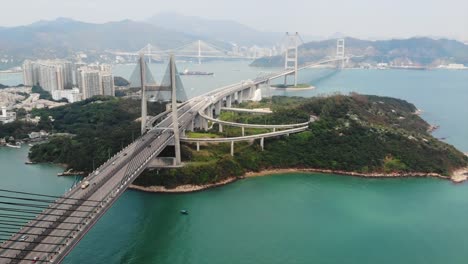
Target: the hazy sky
(360, 18)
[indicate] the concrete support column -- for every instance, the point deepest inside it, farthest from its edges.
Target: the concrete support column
(252, 92)
(274, 129)
(210, 111)
(197, 122)
(204, 124)
(262, 143)
(246, 93)
(218, 108)
(198, 146)
(220, 128)
(240, 96)
(243, 131)
(192, 125)
(229, 100)
(232, 148)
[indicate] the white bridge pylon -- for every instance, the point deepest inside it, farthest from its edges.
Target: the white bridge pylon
(291, 53)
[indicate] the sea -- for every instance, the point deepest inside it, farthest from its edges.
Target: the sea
(289, 218)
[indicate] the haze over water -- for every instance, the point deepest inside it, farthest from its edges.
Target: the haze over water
(295, 218)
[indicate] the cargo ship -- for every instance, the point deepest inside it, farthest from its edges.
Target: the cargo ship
(187, 72)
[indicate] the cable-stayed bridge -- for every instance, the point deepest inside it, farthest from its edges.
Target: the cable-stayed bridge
(42, 228)
(198, 49)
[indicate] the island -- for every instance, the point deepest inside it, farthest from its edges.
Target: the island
(359, 135)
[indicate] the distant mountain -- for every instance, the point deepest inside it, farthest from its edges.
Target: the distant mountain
(62, 37)
(418, 51)
(220, 30)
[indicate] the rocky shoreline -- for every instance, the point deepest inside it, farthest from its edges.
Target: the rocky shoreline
(458, 176)
(182, 188)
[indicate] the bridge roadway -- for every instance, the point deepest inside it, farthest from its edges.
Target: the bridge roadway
(58, 228)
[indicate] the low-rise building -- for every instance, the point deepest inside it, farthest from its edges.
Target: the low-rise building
(72, 95)
(7, 117)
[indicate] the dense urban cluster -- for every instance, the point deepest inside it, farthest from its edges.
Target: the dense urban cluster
(72, 81)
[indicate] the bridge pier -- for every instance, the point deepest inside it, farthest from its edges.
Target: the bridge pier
(243, 131)
(274, 129)
(240, 96)
(232, 148)
(204, 124)
(218, 108)
(220, 128)
(262, 143)
(191, 125)
(229, 101)
(210, 111)
(198, 146)
(246, 93)
(197, 122)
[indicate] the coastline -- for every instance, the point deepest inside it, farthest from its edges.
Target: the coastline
(189, 188)
(458, 176)
(294, 89)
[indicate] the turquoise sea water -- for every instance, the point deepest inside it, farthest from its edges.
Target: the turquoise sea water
(294, 218)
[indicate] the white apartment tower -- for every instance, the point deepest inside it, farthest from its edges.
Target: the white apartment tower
(51, 75)
(94, 81)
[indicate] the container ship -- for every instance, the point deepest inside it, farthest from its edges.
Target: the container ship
(187, 72)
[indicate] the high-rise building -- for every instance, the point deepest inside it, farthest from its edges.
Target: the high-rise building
(51, 75)
(61, 75)
(95, 80)
(108, 84)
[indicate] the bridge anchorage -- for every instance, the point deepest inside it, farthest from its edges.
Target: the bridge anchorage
(45, 228)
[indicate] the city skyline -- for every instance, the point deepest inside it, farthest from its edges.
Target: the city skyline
(361, 18)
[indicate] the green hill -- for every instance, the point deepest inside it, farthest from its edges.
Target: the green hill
(356, 133)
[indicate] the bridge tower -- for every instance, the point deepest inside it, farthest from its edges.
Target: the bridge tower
(175, 118)
(290, 58)
(340, 52)
(144, 108)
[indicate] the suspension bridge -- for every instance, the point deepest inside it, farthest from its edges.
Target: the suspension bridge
(43, 228)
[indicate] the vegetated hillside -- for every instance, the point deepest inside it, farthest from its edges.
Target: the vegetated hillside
(419, 51)
(354, 133)
(99, 127)
(62, 37)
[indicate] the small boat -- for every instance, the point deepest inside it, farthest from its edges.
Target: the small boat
(184, 212)
(13, 146)
(30, 145)
(29, 162)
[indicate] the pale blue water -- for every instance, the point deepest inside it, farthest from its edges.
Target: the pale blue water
(11, 78)
(296, 218)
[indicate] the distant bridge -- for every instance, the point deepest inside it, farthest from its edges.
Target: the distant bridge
(198, 49)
